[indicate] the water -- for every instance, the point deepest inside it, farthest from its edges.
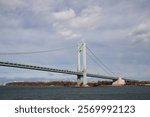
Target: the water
(74, 93)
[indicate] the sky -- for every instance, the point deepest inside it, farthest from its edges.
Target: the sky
(117, 31)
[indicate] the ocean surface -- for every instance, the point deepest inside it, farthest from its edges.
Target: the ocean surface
(74, 93)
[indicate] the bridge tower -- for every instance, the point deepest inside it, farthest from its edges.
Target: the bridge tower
(82, 53)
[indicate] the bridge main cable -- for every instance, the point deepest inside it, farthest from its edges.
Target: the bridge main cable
(99, 63)
(33, 52)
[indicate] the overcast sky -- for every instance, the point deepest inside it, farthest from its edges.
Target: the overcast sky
(118, 31)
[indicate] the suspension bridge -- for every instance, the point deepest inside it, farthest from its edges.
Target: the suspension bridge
(81, 66)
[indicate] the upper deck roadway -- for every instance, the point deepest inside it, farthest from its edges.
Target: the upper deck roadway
(32, 67)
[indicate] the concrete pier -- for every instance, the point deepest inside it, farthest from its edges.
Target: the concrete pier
(119, 82)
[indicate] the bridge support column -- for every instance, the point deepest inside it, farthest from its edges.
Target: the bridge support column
(79, 64)
(82, 49)
(84, 65)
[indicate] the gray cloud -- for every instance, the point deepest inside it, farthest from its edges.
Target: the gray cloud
(68, 23)
(142, 31)
(11, 4)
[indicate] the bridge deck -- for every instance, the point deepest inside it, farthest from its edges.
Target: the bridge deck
(24, 66)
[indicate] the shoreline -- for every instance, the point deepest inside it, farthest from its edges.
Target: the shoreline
(74, 84)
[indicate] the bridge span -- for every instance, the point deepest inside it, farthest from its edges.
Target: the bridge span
(47, 69)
